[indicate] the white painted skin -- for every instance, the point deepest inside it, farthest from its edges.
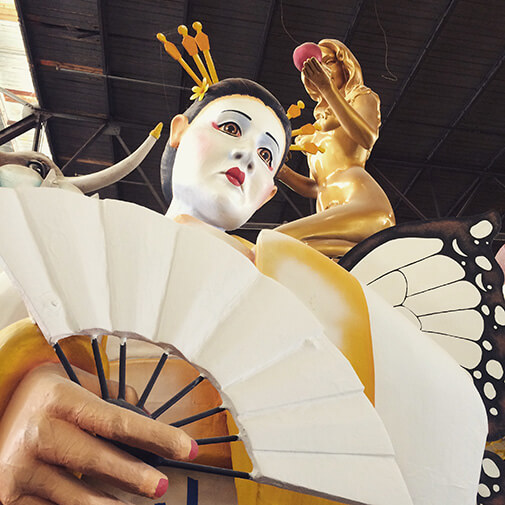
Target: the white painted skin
(208, 149)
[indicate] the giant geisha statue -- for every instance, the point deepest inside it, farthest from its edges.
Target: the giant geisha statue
(265, 373)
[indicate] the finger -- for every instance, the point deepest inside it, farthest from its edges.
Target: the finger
(44, 159)
(91, 382)
(32, 500)
(62, 488)
(78, 406)
(64, 444)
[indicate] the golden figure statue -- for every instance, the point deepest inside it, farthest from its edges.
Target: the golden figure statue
(350, 204)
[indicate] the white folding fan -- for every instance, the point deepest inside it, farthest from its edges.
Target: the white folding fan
(92, 267)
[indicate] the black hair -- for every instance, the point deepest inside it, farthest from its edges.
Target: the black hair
(226, 87)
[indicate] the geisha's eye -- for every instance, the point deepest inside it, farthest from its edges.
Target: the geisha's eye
(266, 155)
(230, 128)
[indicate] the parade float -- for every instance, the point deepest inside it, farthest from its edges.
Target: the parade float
(371, 380)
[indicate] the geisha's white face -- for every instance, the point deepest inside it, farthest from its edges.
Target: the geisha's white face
(226, 160)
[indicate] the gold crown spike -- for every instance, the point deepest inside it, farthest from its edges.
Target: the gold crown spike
(295, 110)
(306, 129)
(308, 148)
(204, 45)
(189, 43)
(176, 55)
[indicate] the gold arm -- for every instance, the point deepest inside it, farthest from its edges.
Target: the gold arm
(304, 186)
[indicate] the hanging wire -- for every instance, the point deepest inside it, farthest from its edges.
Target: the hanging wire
(391, 76)
(284, 26)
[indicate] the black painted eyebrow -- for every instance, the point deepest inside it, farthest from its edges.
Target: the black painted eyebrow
(272, 137)
(239, 112)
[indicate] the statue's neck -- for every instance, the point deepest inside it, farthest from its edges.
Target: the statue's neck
(177, 208)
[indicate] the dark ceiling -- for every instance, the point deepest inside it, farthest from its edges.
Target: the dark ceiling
(437, 66)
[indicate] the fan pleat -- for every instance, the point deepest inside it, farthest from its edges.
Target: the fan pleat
(309, 383)
(210, 279)
(335, 476)
(143, 271)
(334, 425)
(267, 324)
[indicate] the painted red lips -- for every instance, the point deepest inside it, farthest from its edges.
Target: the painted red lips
(235, 176)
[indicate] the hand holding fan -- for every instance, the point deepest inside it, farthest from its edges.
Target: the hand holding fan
(108, 267)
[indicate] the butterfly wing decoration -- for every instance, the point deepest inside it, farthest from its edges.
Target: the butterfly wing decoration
(93, 267)
(492, 480)
(443, 277)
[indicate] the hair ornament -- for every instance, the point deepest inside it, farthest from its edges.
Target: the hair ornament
(295, 110)
(203, 43)
(199, 91)
(306, 129)
(307, 148)
(193, 45)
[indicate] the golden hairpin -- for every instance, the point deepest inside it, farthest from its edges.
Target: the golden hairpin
(308, 148)
(295, 110)
(306, 129)
(204, 45)
(192, 46)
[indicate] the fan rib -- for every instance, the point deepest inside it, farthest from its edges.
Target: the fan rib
(122, 371)
(65, 363)
(197, 417)
(183, 392)
(217, 440)
(216, 470)
(99, 369)
(152, 380)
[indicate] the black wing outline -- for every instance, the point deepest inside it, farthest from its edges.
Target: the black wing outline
(460, 246)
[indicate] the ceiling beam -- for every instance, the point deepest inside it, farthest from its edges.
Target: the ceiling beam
(432, 166)
(264, 39)
(146, 180)
(259, 226)
(36, 136)
(482, 87)
(412, 74)
(18, 128)
(500, 183)
(434, 196)
(102, 24)
(182, 91)
(465, 199)
(401, 196)
(86, 144)
(31, 64)
(110, 77)
(356, 16)
(289, 201)
(420, 58)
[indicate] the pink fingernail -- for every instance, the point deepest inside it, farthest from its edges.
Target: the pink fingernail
(162, 488)
(194, 450)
